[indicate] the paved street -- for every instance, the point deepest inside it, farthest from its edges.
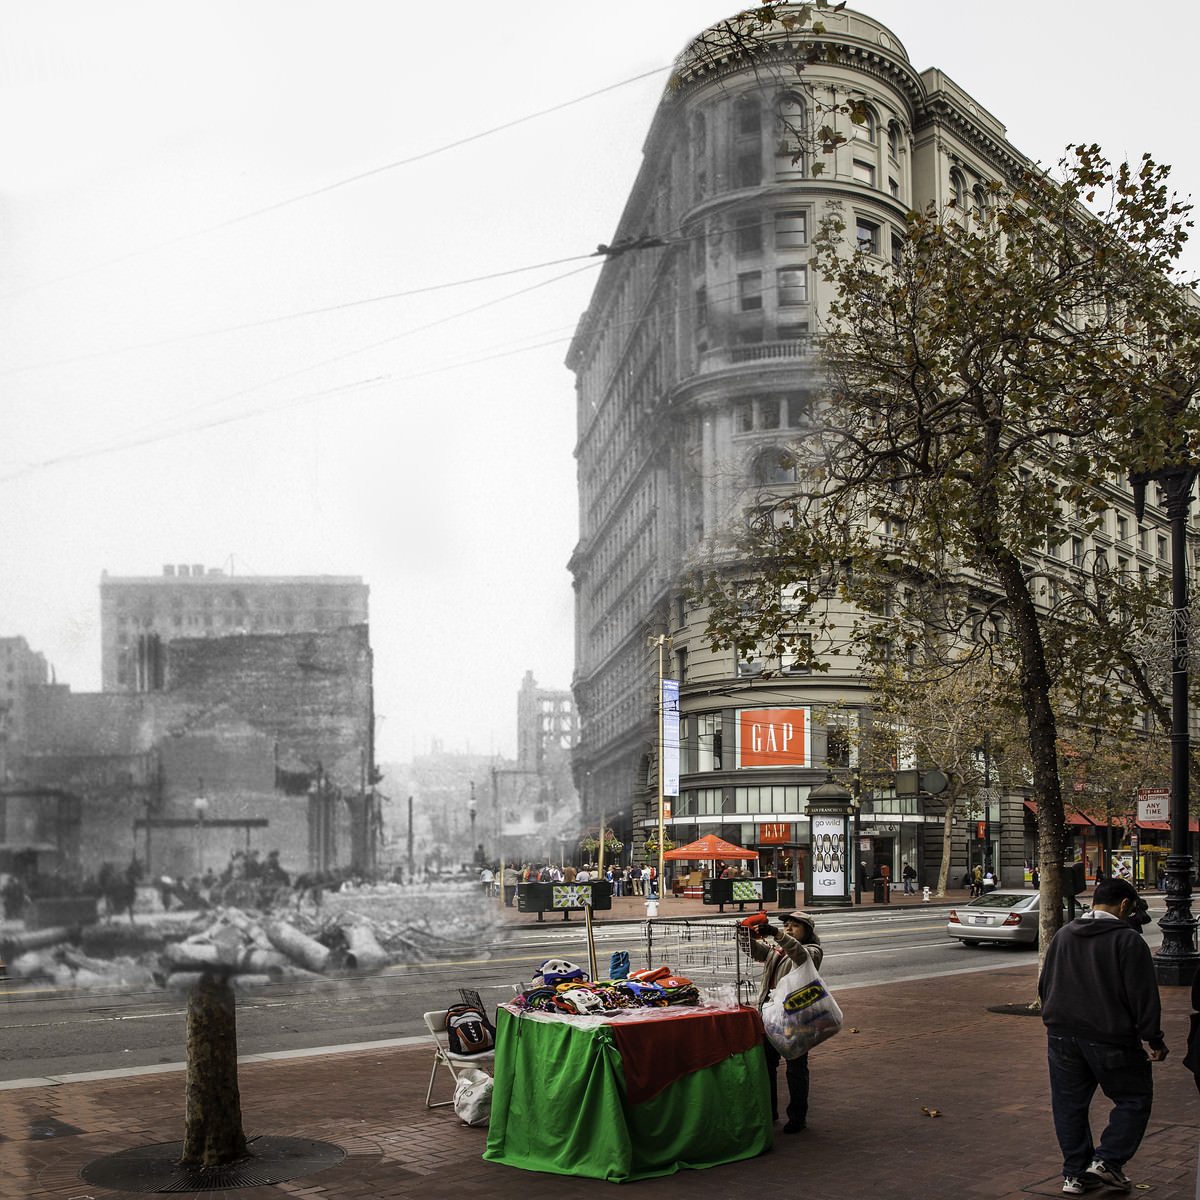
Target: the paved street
(911, 1048)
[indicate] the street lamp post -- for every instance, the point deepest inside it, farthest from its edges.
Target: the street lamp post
(1176, 961)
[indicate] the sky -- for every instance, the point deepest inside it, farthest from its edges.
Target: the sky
(286, 287)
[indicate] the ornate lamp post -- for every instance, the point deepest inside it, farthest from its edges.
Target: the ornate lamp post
(827, 880)
(1176, 961)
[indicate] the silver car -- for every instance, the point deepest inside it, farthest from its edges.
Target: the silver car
(1005, 915)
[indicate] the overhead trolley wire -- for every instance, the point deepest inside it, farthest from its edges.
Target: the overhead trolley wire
(331, 187)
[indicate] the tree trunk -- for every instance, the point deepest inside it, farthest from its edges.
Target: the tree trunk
(947, 835)
(1043, 750)
(213, 1113)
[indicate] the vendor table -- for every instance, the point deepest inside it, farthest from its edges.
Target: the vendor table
(629, 1095)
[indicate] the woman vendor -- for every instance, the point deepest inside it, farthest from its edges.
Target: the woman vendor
(779, 950)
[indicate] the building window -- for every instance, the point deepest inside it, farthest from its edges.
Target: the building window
(1077, 552)
(958, 189)
(701, 307)
(799, 660)
(869, 129)
(893, 188)
(893, 141)
(749, 234)
(799, 409)
(748, 170)
(791, 228)
(897, 249)
(775, 466)
(743, 417)
(793, 331)
(768, 413)
(1122, 528)
(1162, 548)
(748, 120)
(750, 291)
(866, 234)
(837, 747)
(792, 285)
(864, 172)
(708, 742)
(792, 119)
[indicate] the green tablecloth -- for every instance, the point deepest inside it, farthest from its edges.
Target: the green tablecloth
(560, 1102)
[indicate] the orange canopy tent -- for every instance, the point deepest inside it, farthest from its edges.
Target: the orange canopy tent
(710, 847)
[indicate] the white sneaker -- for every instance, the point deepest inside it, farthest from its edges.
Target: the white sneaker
(1073, 1186)
(1109, 1175)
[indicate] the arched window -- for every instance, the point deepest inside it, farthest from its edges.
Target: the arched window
(893, 136)
(958, 189)
(791, 135)
(868, 131)
(978, 201)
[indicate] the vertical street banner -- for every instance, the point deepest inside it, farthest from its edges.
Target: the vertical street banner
(670, 747)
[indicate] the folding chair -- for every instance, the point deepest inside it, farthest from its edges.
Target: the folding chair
(444, 1056)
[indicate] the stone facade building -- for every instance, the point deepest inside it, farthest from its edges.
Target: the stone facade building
(695, 368)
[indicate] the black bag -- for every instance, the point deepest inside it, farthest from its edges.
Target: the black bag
(468, 1029)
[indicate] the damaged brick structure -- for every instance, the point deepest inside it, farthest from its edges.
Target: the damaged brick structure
(253, 741)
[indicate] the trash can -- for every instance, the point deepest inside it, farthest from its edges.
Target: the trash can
(787, 896)
(880, 891)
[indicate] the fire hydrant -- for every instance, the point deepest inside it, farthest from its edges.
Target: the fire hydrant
(925, 894)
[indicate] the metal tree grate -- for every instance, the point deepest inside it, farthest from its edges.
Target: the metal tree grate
(157, 1168)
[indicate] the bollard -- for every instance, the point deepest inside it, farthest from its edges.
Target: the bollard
(652, 907)
(925, 894)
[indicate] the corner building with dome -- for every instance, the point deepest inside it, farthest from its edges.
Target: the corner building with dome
(696, 368)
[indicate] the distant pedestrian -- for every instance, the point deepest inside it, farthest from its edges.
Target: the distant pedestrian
(1100, 1002)
(989, 882)
(510, 877)
(908, 875)
(486, 879)
(977, 880)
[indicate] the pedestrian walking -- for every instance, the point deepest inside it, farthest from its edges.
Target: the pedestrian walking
(908, 875)
(486, 878)
(1100, 1002)
(779, 950)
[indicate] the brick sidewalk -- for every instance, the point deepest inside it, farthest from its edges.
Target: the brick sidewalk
(907, 1048)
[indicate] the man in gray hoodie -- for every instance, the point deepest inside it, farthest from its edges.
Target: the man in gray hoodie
(1099, 1004)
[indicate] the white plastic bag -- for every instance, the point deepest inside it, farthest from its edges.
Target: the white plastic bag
(473, 1097)
(800, 1013)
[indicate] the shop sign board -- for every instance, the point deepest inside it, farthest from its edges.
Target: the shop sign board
(774, 832)
(774, 737)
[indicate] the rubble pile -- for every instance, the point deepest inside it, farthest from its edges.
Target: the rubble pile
(365, 928)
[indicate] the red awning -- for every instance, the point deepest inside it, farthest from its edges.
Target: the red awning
(1073, 818)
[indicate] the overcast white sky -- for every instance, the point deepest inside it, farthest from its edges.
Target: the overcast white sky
(179, 190)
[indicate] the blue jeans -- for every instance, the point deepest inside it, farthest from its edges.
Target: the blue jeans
(797, 1081)
(1123, 1074)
